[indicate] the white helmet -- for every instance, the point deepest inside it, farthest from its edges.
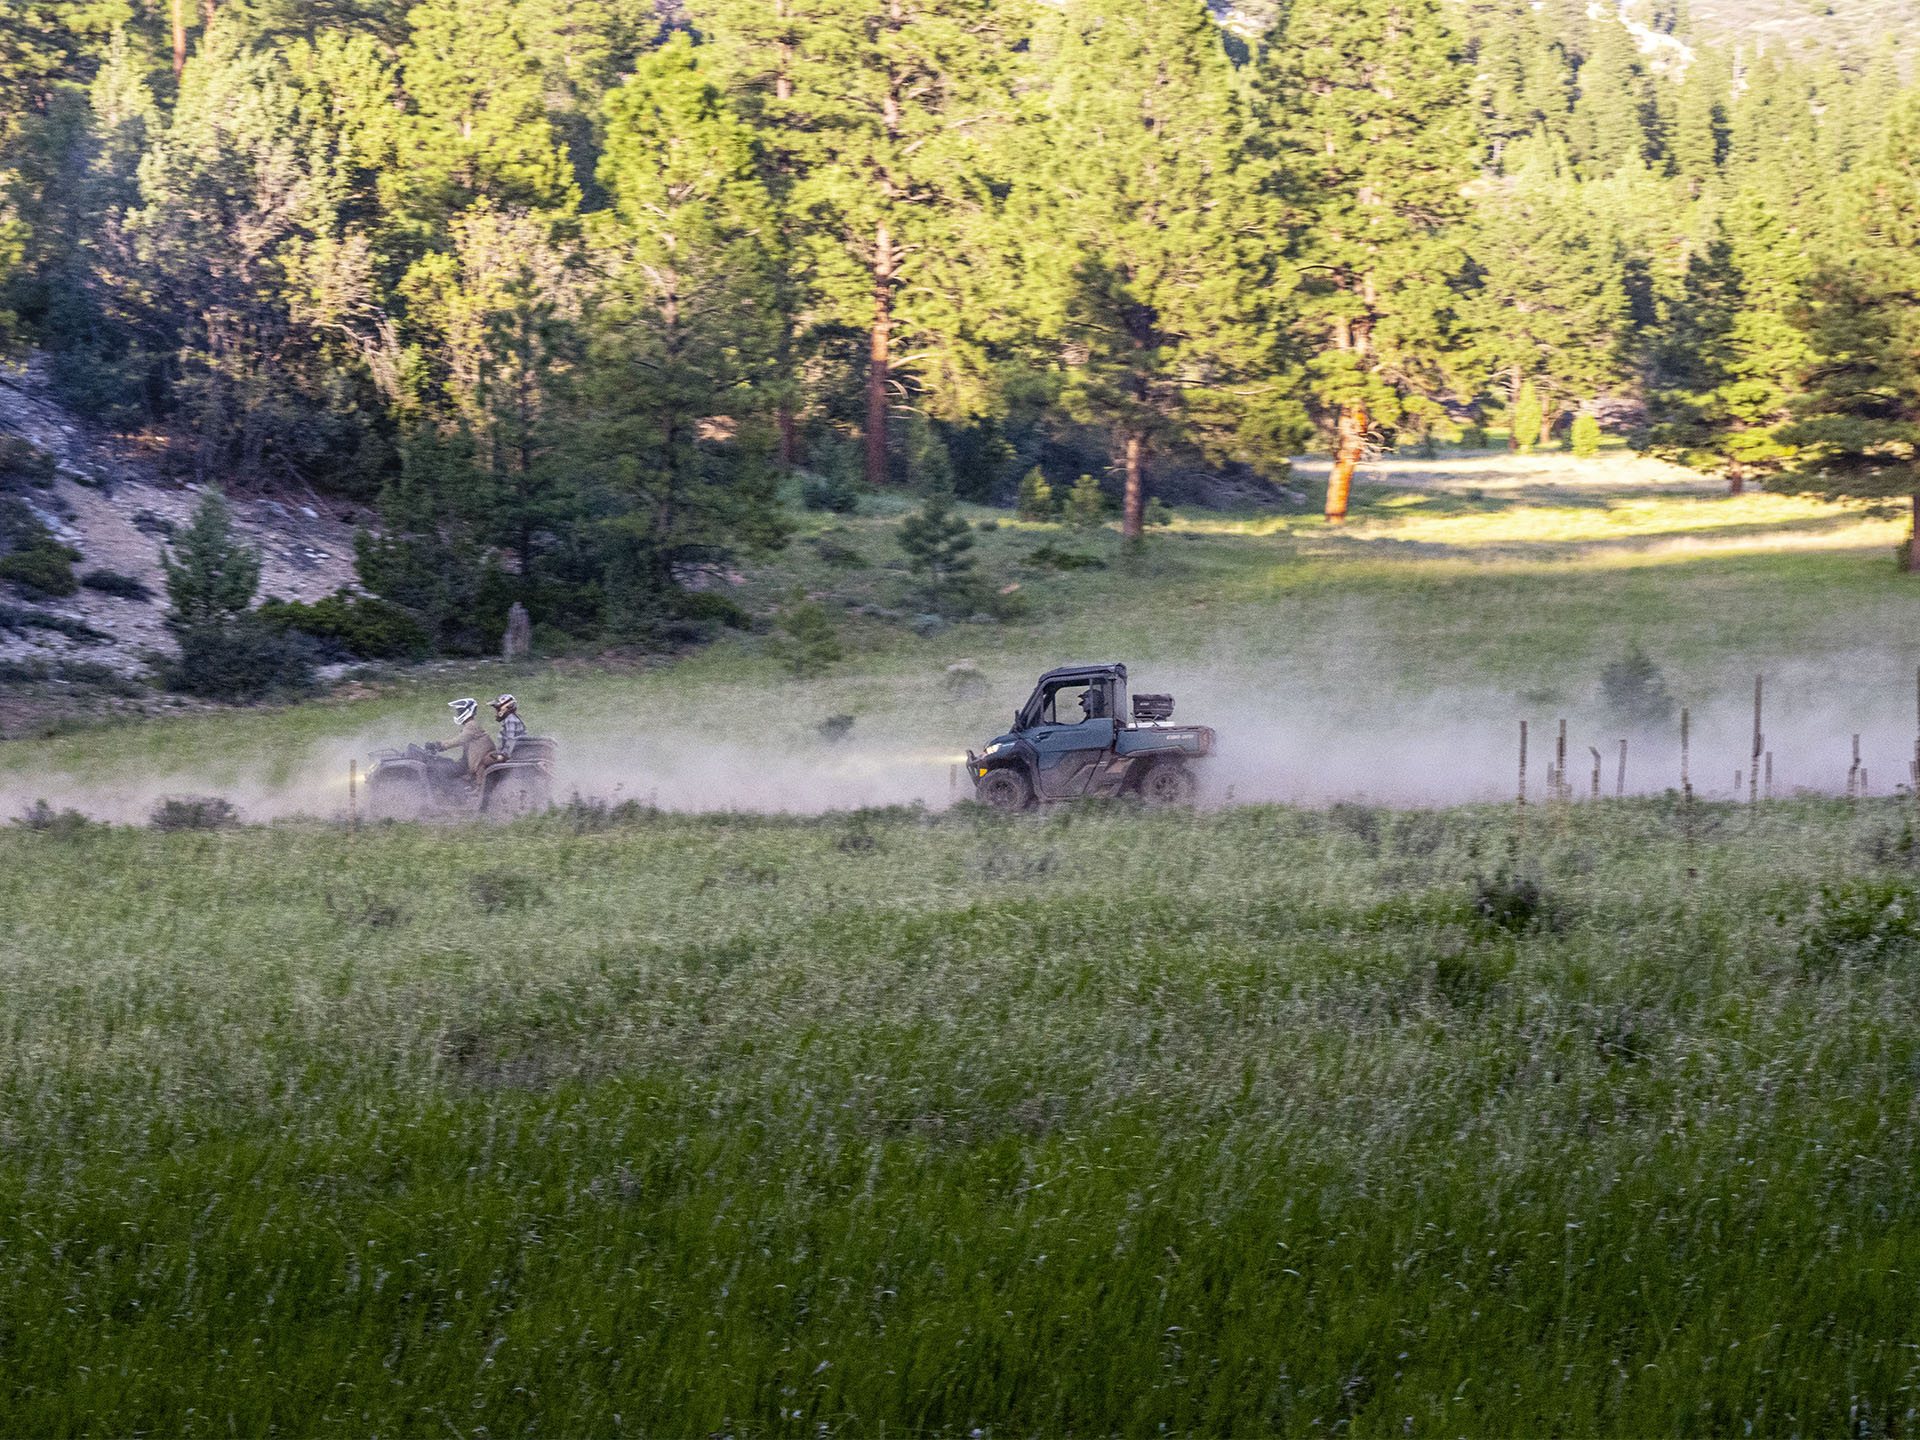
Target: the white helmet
(502, 705)
(463, 710)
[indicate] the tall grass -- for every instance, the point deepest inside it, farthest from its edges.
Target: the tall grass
(1095, 1122)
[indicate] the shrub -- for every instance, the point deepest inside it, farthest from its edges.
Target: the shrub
(211, 575)
(1526, 419)
(13, 617)
(841, 557)
(835, 494)
(1157, 512)
(710, 607)
(1511, 903)
(194, 812)
(242, 662)
(1052, 557)
(1585, 438)
(1086, 506)
(1859, 922)
(112, 582)
(807, 644)
(43, 819)
(1634, 690)
(359, 625)
(496, 890)
(1473, 436)
(24, 463)
(1036, 500)
(938, 543)
(41, 568)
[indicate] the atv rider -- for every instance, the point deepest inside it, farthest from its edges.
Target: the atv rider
(475, 744)
(506, 712)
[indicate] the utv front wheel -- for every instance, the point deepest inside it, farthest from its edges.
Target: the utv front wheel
(1004, 790)
(1167, 784)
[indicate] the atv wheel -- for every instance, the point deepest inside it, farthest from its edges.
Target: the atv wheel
(1166, 784)
(1004, 790)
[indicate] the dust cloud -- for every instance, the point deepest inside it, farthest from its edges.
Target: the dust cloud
(1290, 731)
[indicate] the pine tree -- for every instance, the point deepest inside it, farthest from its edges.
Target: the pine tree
(1550, 311)
(1526, 419)
(1856, 433)
(1585, 437)
(1613, 119)
(1368, 101)
(939, 544)
(670, 421)
(1036, 499)
(1159, 284)
(211, 575)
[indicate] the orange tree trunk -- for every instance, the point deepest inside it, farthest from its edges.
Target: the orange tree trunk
(879, 357)
(1913, 541)
(179, 17)
(1346, 459)
(1134, 506)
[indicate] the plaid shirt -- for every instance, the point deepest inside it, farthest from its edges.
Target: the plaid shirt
(512, 731)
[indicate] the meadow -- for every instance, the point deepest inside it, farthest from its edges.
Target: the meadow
(888, 1122)
(1592, 1117)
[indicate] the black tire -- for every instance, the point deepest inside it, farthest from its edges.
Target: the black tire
(1006, 790)
(1167, 783)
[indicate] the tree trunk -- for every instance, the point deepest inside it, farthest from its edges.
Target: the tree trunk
(879, 357)
(1346, 459)
(789, 436)
(178, 10)
(1913, 538)
(1736, 479)
(1133, 508)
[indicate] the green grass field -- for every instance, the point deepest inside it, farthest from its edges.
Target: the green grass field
(1598, 1118)
(888, 1123)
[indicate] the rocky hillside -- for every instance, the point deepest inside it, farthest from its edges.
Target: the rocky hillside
(104, 498)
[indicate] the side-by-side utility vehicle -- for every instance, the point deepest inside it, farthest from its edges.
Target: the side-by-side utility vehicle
(1069, 740)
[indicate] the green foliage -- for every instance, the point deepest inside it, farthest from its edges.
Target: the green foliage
(24, 463)
(1634, 691)
(63, 824)
(1036, 499)
(938, 543)
(1525, 419)
(112, 582)
(211, 574)
(1860, 922)
(808, 644)
(194, 812)
(241, 660)
(35, 561)
(1086, 505)
(834, 493)
(1584, 439)
(360, 625)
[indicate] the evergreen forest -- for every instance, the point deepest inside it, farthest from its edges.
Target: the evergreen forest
(570, 298)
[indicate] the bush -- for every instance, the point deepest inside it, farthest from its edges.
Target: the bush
(1635, 692)
(1585, 438)
(807, 644)
(194, 812)
(1511, 904)
(112, 582)
(833, 493)
(1860, 922)
(43, 568)
(359, 625)
(242, 662)
(1157, 512)
(496, 890)
(1052, 557)
(710, 607)
(1473, 436)
(1086, 506)
(43, 819)
(841, 557)
(24, 463)
(13, 617)
(1036, 500)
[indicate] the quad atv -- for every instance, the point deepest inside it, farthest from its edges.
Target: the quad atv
(1068, 741)
(419, 784)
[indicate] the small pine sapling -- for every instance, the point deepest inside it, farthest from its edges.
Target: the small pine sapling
(1585, 437)
(1036, 500)
(1086, 506)
(808, 644)
(938, 543)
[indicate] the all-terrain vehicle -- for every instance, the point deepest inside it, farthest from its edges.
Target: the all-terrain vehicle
(419, 784)
(1069, 741)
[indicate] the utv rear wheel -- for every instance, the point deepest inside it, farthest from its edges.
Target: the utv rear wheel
(1167, 784)
(1004, 790)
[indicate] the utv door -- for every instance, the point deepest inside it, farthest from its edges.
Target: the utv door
(1070, 753)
